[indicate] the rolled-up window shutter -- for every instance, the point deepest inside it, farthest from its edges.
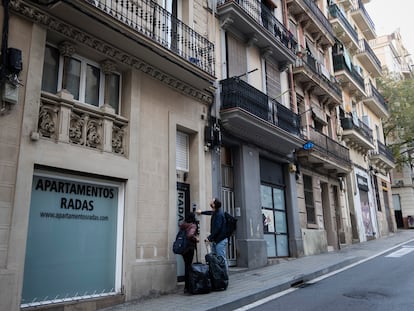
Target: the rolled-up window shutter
(273, 86)
(182, 152)
(237, 59)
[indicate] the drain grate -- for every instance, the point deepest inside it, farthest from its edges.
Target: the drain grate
(300, 284)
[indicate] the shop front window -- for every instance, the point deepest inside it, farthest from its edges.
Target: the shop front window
(274, 221)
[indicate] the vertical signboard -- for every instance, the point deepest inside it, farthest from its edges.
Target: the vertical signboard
(72, 240)
(183, 206)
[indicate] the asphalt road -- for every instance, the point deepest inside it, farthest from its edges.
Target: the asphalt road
(384, 283)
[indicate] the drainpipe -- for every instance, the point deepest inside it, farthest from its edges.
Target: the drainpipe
(290, 72)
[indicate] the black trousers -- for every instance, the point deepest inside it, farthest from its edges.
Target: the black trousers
(188, 260)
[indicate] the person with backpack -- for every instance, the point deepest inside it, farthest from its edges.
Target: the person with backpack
(189, 225)
(218, 228)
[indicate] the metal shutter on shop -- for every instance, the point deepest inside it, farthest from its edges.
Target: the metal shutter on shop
(182, 152)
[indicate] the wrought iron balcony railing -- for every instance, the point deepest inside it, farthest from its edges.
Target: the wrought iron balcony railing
(310, 62)
(358, 125)
(383, 150)
(327, 145)
(364, 47)
(264, 17)
(372, 91)
(341, 64)
(156, 23)
(336, 13)
(360, 6)
(236, 93)
(320, 16)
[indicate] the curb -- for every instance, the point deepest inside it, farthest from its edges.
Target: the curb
(297, 281)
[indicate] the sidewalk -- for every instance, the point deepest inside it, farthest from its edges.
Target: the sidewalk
(247, 286)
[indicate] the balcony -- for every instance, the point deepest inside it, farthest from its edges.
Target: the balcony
(342, 28)
(317, 24)
(348, 76)
(258, 25)
(375, 101)
(327, 156)
(406, 71)
(363, 20)
(252, 116)
(382, 158)
(63, 120)
(347, 4)
(368, 59)
(139, 28)
(314, 76)
(357, 135)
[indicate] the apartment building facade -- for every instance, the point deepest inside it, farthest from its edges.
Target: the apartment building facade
(283, 171)
(323, 166)
(260, 130)
(397, 62)
(356, 66)
(102, 147)
(131, 114)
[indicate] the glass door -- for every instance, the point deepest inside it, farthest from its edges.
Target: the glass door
(274, 221)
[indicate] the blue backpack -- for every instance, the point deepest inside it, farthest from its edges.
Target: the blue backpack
(180, 244)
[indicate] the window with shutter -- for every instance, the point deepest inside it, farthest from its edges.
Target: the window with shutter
(273, 80)
(309, 202)
(236, 58)
(182, 152)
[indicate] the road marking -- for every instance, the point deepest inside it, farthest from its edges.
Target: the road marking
(401, 252)
(265, 300)
(322, 277)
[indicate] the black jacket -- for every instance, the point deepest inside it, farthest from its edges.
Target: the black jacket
(217, 225)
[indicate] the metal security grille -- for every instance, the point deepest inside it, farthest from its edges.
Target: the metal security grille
(228, 206)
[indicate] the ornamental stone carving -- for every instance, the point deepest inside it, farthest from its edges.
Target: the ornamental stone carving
(93, 133)
(108, 66)
(118, 140)
(67, 48)
(47, 121)
(76, 128)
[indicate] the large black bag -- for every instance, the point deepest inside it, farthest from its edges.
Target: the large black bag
(199, 279)
(180, 244)
(218, 271)
(231, 224)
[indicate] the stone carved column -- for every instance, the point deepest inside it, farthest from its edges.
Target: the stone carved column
(64, 115)
(66, 49)
(108, 67)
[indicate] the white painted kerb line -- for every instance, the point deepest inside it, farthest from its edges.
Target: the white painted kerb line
(401, 252)
(315, 280)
